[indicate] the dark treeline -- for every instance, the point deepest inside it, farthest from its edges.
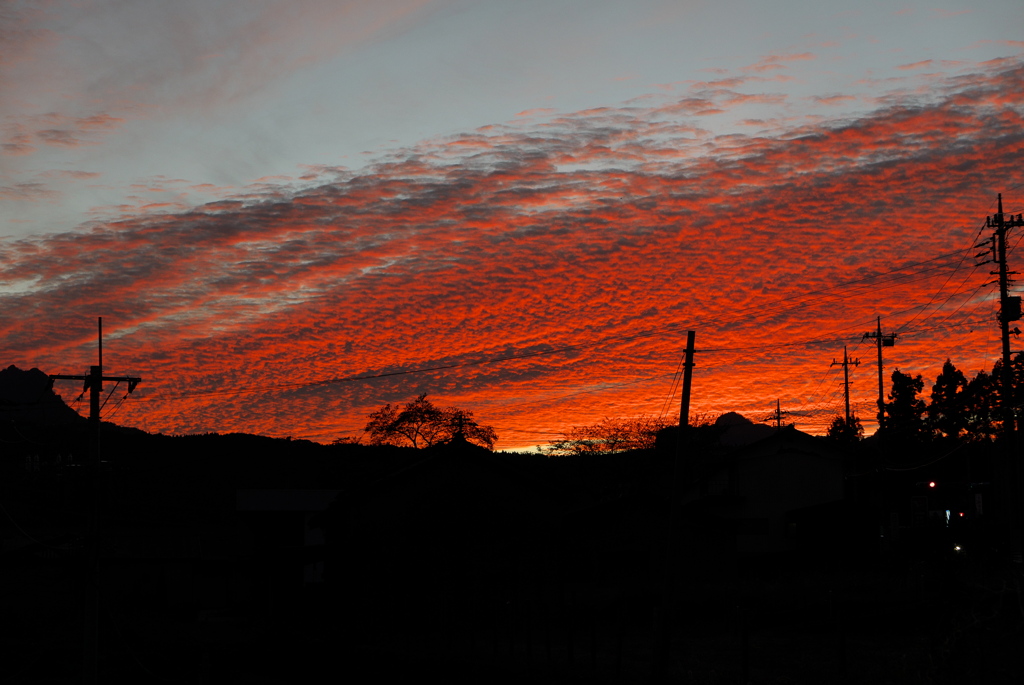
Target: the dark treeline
(729, 553)
(956, 409)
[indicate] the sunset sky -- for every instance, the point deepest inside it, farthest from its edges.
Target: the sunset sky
(290, 213)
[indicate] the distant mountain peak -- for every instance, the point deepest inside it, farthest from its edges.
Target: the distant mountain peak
(28, 397)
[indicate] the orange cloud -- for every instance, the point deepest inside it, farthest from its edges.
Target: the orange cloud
(832, 99)
(70, 174)
(543, 273)
(916, 65)
(774, 62)
(534, 112)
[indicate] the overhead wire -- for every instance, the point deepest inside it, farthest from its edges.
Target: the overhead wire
(973, 294)
(675, 383)
(956, 290)
(959, 264)
(117, 406)
(109, 394)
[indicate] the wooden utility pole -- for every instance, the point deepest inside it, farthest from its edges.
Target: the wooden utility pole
(684, 405)
(661, 663)
(777, 416)
(1009, 310)
(90, 576)
(887, 340)
(846, 379)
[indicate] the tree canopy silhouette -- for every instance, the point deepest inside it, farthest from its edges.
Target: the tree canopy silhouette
(946, 415)
(905, 409)
(981, 407)
(421, 424)
(609, 435)
(845, 431)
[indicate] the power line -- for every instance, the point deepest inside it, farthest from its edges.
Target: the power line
(959, 264)
(675, 383)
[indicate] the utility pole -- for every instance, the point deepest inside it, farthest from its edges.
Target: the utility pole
(887, 340)
(90, 577)
(684, 406)
(663, 615)
(846, 379)
(777, 416)
(1009, 307)
(1009, 310)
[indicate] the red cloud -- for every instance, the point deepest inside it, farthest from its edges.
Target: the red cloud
(546, 271)
(832, 99)
(791, 57)
(534, 112)
(69, 174)
(916, 65)
(773, 62)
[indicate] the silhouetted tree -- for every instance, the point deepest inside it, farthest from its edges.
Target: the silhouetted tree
(421, 424)
(946, 415)
(980, 407)
(609, 435)
(905, 409)
(460, 422)
(1017, 378)
(1016, 383)
(846, 432)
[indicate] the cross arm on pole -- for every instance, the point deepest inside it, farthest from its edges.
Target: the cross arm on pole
(132, 381)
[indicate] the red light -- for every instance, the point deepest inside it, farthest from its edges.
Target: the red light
(931, 484)
(961, 513)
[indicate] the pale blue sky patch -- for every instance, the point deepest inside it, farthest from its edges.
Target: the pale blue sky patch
(102, 96)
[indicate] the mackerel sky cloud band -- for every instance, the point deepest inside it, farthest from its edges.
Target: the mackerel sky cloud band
(549, 228)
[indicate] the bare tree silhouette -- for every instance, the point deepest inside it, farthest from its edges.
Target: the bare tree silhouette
(421, 424)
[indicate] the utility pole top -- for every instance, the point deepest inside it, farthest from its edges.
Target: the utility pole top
(881, 340)
(93, 381)
(846, 378)
(777, 415)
